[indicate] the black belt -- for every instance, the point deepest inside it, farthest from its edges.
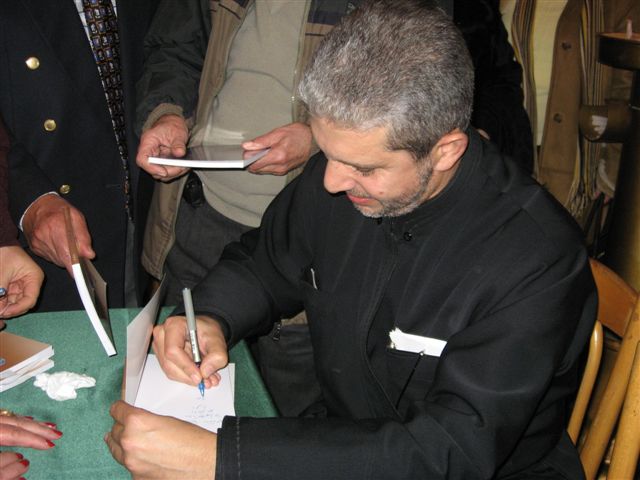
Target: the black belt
(193, 193)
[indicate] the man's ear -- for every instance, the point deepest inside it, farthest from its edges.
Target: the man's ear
(449, 149)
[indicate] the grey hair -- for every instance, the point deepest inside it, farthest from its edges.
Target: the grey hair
(398, 64)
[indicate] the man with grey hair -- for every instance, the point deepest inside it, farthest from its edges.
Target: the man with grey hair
(448, 310)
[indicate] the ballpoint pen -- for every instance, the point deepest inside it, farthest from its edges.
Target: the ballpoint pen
(193, 334)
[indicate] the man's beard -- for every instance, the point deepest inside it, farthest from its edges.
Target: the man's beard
(403, 204)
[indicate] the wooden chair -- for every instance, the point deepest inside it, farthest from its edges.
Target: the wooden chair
(619, 312)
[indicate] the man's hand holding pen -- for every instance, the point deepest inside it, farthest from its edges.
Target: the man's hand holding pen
(155, 446)
(172, 345)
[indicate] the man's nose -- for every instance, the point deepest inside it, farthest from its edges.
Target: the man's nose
(337, 177)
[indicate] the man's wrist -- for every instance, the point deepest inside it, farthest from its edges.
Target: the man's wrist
(159, 112)
(24, 214)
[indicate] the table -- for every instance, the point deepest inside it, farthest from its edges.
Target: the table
(81, 452)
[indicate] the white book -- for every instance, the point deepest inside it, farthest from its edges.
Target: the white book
(92, 290)
(147, 386)
(162, 396)
(93, 293)
(29, 372)
(18, 354)
(213, 156)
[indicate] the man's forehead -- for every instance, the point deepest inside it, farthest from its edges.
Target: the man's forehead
(361, 149)
(334, 136)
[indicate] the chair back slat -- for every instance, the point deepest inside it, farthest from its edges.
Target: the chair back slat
(618, 311)
(624, 460)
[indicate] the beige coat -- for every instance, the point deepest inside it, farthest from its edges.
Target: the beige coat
(226, 18)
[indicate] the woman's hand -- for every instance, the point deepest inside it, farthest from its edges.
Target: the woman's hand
(17, 431)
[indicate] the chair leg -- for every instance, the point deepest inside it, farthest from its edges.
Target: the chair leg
(627, 445)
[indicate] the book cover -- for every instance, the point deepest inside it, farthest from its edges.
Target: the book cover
(18, 353)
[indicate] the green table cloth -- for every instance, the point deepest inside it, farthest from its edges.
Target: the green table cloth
(81, 452)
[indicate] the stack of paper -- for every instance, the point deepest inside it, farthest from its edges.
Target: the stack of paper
(21, 358)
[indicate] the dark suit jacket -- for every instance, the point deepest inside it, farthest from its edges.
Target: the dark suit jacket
(81, 154)
(7, 228)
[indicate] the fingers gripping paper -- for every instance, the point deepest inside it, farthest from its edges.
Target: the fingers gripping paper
(92, 290)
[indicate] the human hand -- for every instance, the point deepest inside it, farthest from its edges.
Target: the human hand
(290, 147)
(13, 465)
(45, 228)
(22, 279)
(167, 138)
(17, 431)
(172, 346)
(153, 446)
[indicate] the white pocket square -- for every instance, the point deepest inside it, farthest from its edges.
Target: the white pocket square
(407, 342)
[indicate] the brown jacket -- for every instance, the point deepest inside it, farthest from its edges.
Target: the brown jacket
(567, 163)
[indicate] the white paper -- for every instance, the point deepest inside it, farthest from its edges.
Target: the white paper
(408, 342)
(138, 338)
(212, 156)
(162, 396)
(92, 292)
(148, 387)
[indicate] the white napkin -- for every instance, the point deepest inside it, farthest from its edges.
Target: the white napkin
(62, 385)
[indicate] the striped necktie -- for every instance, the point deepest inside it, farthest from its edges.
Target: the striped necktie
(102, 25)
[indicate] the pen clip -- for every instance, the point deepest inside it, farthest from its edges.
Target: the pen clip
(191, 324)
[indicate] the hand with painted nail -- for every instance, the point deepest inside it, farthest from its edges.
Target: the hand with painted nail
(152, 446)
(17, 431)
(13, 465)
(172, 346)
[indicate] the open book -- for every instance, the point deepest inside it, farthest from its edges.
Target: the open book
(92, 289)
(147, 386)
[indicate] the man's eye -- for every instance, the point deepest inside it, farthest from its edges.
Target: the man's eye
(365, 172)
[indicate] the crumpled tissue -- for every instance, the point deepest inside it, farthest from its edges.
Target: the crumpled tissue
(62, 385)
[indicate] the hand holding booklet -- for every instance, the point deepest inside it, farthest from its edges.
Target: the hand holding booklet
(92, 290)
(213, 156)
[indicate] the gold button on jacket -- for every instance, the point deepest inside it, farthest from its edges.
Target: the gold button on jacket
(64, 189)
(50, 125)
(32, 63)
